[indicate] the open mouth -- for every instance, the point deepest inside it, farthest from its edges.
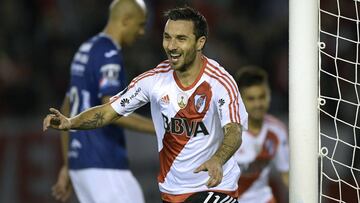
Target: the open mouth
(174, 57)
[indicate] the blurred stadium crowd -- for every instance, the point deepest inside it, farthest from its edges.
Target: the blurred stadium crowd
(39, 37)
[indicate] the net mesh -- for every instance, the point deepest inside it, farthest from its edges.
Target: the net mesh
(339, 100)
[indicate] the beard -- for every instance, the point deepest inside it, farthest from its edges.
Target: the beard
(186, 61)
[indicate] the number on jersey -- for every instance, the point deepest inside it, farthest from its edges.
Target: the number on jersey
(75, 100)
(210, 197)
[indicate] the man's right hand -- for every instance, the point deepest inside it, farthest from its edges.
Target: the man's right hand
(62, 189)
(56, 120)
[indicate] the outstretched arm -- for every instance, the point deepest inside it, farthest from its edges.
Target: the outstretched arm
(92, 118)
(133, 121)
(95, 117)
(232, 141)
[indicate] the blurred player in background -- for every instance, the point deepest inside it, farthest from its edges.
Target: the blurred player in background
(96, 160)
(264, 143)
(197, 112)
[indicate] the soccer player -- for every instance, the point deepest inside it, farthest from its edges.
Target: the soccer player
(96, 160)
(264, 143)
(196, 108)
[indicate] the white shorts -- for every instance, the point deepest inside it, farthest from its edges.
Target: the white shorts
(106, 186)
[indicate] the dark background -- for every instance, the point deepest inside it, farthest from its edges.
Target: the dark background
(38, 39)
(339, 88)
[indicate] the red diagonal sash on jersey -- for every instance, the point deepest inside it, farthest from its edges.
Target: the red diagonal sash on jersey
(267, 153)
(173, 144)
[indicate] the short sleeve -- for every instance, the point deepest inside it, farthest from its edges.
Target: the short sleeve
(133, 97)
(108, 68)
(230, 106)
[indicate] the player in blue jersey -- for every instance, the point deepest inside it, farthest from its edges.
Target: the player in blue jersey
(96, 161)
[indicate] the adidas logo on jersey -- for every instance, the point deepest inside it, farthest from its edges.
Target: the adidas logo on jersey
(165, 99)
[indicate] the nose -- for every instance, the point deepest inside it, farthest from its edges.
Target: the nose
(172, 44)
(258, 104)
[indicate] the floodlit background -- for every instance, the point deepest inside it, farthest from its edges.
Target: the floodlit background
(38, 39)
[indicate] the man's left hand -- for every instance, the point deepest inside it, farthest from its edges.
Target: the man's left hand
(214, 167)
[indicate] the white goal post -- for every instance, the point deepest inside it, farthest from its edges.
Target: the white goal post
(303, 102)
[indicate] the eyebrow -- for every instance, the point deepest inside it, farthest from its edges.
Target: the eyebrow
(182, 36)
(177, 36)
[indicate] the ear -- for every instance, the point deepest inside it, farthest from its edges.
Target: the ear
(200, 43)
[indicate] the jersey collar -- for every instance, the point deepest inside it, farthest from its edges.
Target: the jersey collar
(103, 34)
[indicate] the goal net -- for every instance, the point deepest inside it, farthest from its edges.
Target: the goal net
(339, 89)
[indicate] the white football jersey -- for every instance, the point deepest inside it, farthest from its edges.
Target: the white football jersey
(255, 157)
(188, 123)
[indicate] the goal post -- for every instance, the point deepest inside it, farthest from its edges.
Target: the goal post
(303, 101)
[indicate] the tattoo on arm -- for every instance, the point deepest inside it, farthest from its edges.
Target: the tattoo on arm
(95, 122)
(231, 142)
(94, 117)
(231, 128)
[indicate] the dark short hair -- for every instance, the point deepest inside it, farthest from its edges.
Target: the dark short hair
(190, 14)
(250, 75)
